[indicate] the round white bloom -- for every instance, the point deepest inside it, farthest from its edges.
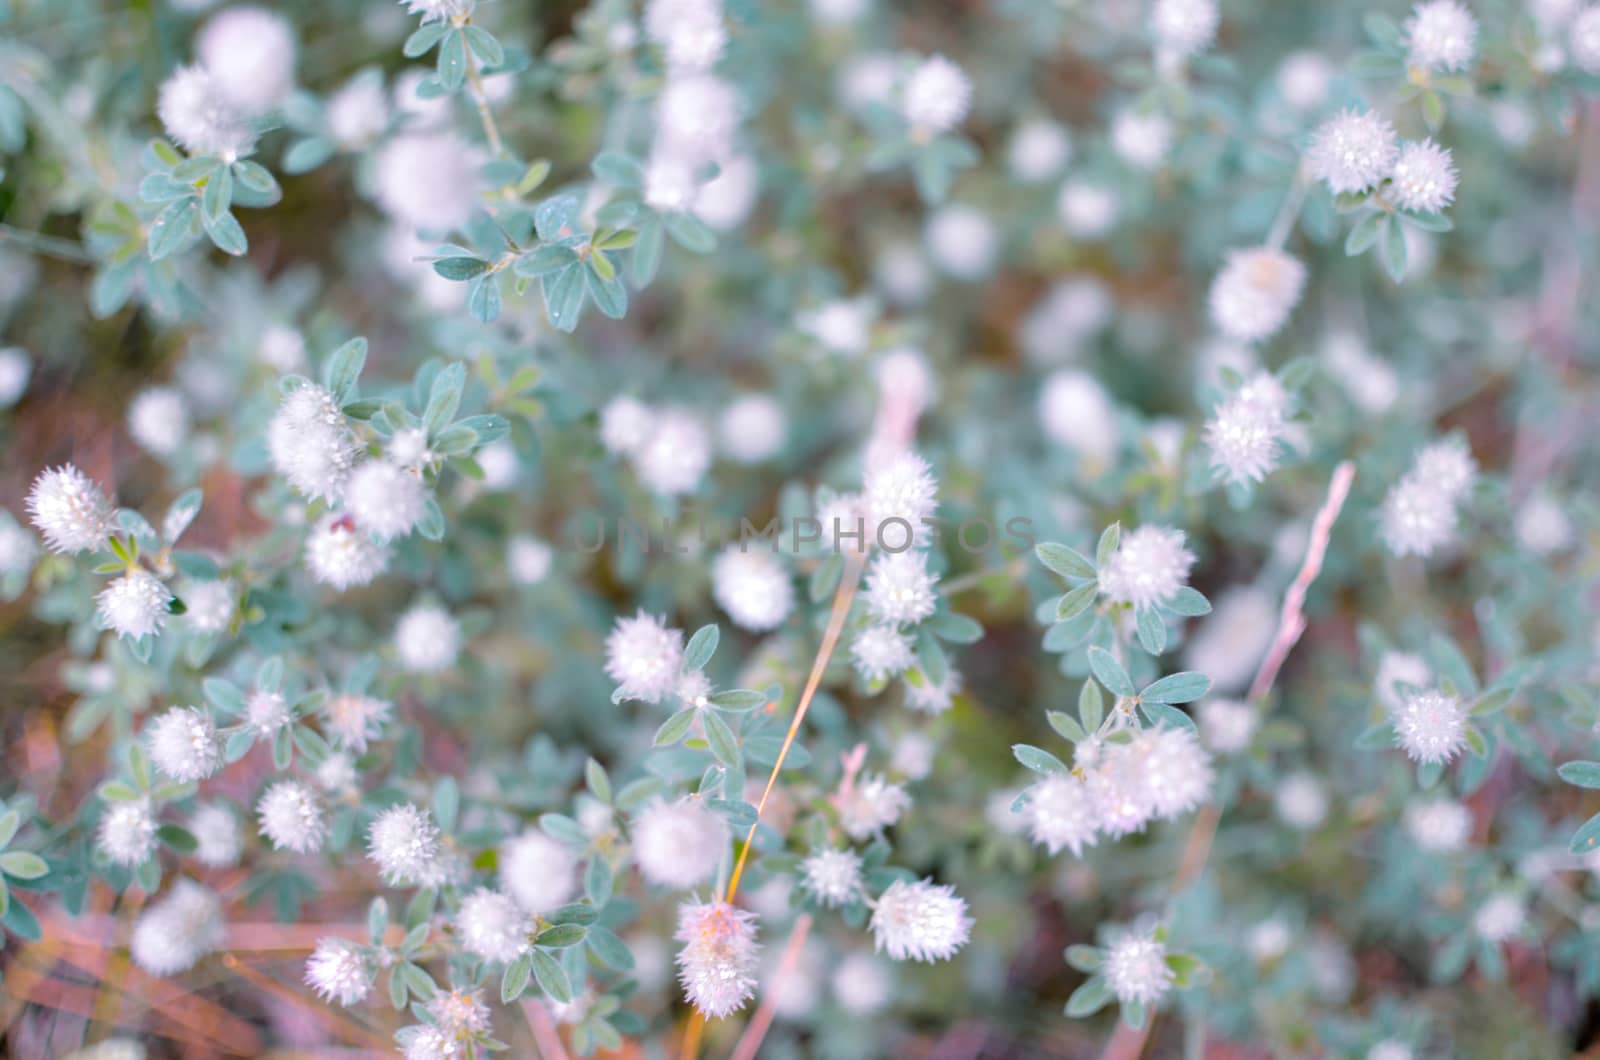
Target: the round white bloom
(1061, 812)
(962, 241)
(339, 971)
(903, 374)
(1500, 918)
(249, 52)
(500, 464)
(1389, 1049)
(1424, 177)
(1141, 140)
(385, 500)
(337, 774)
(675, 456)
(643, 656)
(1303, 79)
(881, 652)
(408, 448)
(493, 926)
(669, 181)
(184, 744)
(439, 10)
(460, 1013)
(352, 720)
(359, 111)
(752, 586)
(1446, 466)
(539, 872)
(1228, 644)
(427, 180)
(1039, 150)
(697, 118)
(1148, 567)
(1184, 27)
(899, 494)
(209, 605)
(1136, 969)
(724, 201)
(311, 444)
(1584, 40)
(871, 805)
(691, 32)
(202, 121)
(17, 547)
(838, 12)
(832, 876)
(15, 370)
(282, 348)
(1417, 518)
(1396, 668)
(134, 605)
(1441, 35)
(868, 79)
(929, 698)
(528, 559)
(177, 930)
(1087, 210)
(920, 921)
(862, 984)
(1227, 725)
(1076, 412)
(1542, 525)
(752, 428)
(936, 96)
(841, 326)
(267, 712)
(900, 588)
(158, 419)
(1244, 439)
(1439, 824)
(127, 832)
(1177, 771)
(1431, 726)
(678, 844)
(1301, 801)
(1352, 151)
(717, 964)
(216, 834)
(292, 818)
(901, 272)
(625, 425)
(427, 639)
(69, 510)
(1253, 295)
(342, 556)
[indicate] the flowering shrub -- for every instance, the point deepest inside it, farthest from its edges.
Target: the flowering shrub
(714, 528)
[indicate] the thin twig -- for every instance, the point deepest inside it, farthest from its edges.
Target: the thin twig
(761, 1022)
(490, 130)
(545, 1035)
(335, 1018)
(50, 246)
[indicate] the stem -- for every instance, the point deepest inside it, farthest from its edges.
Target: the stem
(545, 1035)
(51, 246)
(750, 1040)
(490, 131)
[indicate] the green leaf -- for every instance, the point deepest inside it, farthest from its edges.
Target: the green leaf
(563, 295)
(343, 368)
(484, 46)
(739, 699)
(609, 293)
(178, 839)
(1184, 966)
(646, 257)
(226, 234)
(1065, 561)
(674, 728)
(562, 935)
(546, 258)
(597, 883)
(723, 743)
(825, 578)
(422, 41)
(446, 803)
(1364, 233)
(254, 176)
(459, 268)
(1077, 601)
(377, 920)
(552, 979)
(21, 922)
(1038, 759)
(618, 170)
(172, 228)
(1585, 839)
(1110, 538)
(218, 194)
(515, 979)
(1168, 717)
(1183, 687)
(1394, 251)
(13, 820)
(1189, 603)
(690, 233)
(483, 298)
(1085, 958)
(957, 629)
(1152, 630)
(23, 865)
(1089, 998)
(1091, 706)
(1066, 725)
(1583, 774)
(1428, 222)
(110, 791)
(610, 949)
(701, 647)
(1109, 672)
(452, 66)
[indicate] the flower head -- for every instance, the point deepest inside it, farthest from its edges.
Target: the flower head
(1417, 518)
(717, 964)
(404, 842)
(1438, 824)
(1061, 812)
(678, 844)
(1136, 969)
(427, 639)
(292, 818)
(493, 926)
(355, 720)
(1252, 296)
(675, 455)
(921, 921)
(900, 589)
(209, 605)
(177, 930)
(1584, 37)
(899, 493)
(1184, 27)
(625, 425)
(1149, 566)
(643, 656)
(751, 428)
(927, 697)
(1352, 151)
(1424, 177)
(752, 587)
(881, 652)
(538, 871)
(184, 744)
(127, 832)
(1441, 35)
(249, 53)
(872, 804)
(427, 180)
(158, 419)
(936, 97)
(833, 877)
(339, 971)
(134, 605)
(1499, 918)
(385, 500)
(196, 114)
(340, 555)
(216, 834)
(310, 443)
(1431, 726)
(69, 510)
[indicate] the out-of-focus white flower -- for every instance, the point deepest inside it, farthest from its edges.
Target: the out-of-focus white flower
(678, 844)
(718, 961)
(1446, 466)
(872, 804)
(1061, 812)
(177, 930)
(385, 500)
(184, 744)
(127, 832)
(427, 639)
(69, 510)
(292, 818)
(675, 455)
(936, 96)
(901, 272)
(311, 444)
(1148, 567)
(900, 588)
(1088, 210)
(339, 971)
(249, 53)
(1438, 824)
(216, 834)
(752, 587)
(1136, 969)
(697, 118)
(1417, 519)
(1424, 177)
(1441, 35)
(862, 983)
(899, 494)
(1397, 668)
(1269, 940)
(1071, 312)
(1184, 27)
(921, 921)
(841, 326)
(1141, 139)
(1303, 79)
(962, 241)
(1431, 726)
(359, 111)
(1253, 295)
(427, 180)
(353, 720)
(724, 201)
(282, 348)
(202, 121)
(404, 843)
(643, 656)
(625, 425)
(528, 559)
(1500, 918)
(538, 871)
(158, 419)
(927, 697)
(493, 926)
(833, 877)
(1227, 725)
(1301, 801)
(15, 370)
(1352, 151)
(1390, 1049)
(1076, 412)
(267, 712)
(691, 32)
(752, 428)
(881, 652)
(460, 1013)
(337, 775)
(1228, 644)
(1543, 526)
(134, 605)
(439, 10)
(1584, 40)
(904, 375)
(340, 555)
(1039, 150)
(1370, 381)
(210, 605)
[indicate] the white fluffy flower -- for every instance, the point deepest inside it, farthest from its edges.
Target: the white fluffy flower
(674, 457)
(427, 639)
(1301, 801)
(1253, 295)
(1136, 969)
(216, 834)
(1438, 824)
(127, 832)
(921, 921)
(1390, 1049)
(1424, 177)
(962, 241)
(752, 587)
(1228, 644)
(1087, 210)
(1303, 79)
(1039, 150)
(209, 605)
(339, 971)
(15, 368)
(460, 1013)
(1184, 27)
(936, 96)
(1543, 526)
(862, 984)
(1584, 40)
(625, 425)
(926, 697)
(678, 844)
(691, 32)
(1148, 567)
(1501, 917)
(202, 121)
(1417, 518)
(752, 428)
(1446, 466)
(249, 52)
(643, 656)
(717, 964)
(724, 201)
(1441, 35)
(1076, 412)
(134, 605)
(439, 10)
(385, 500)
(900, 588)
(1431, 726)
(899, 493)
(832, 876)
(539, 872)
(158, 419)
(359, 111)
(872, 804)
(881, 652)
(1352, 151)
(404, 843)
(311, 444)
(178, 929)
(292, 818)
(184, 744)
(528, 559)
(1227, 725)
(337, 775)
(340, 555)
(427, 180)
(17, 547)
(69, 510)
(697, 118)
(1177, 771)
(1061, 812)
(267, 712)
(353, 720)
(492, 926)
(1141, 140)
